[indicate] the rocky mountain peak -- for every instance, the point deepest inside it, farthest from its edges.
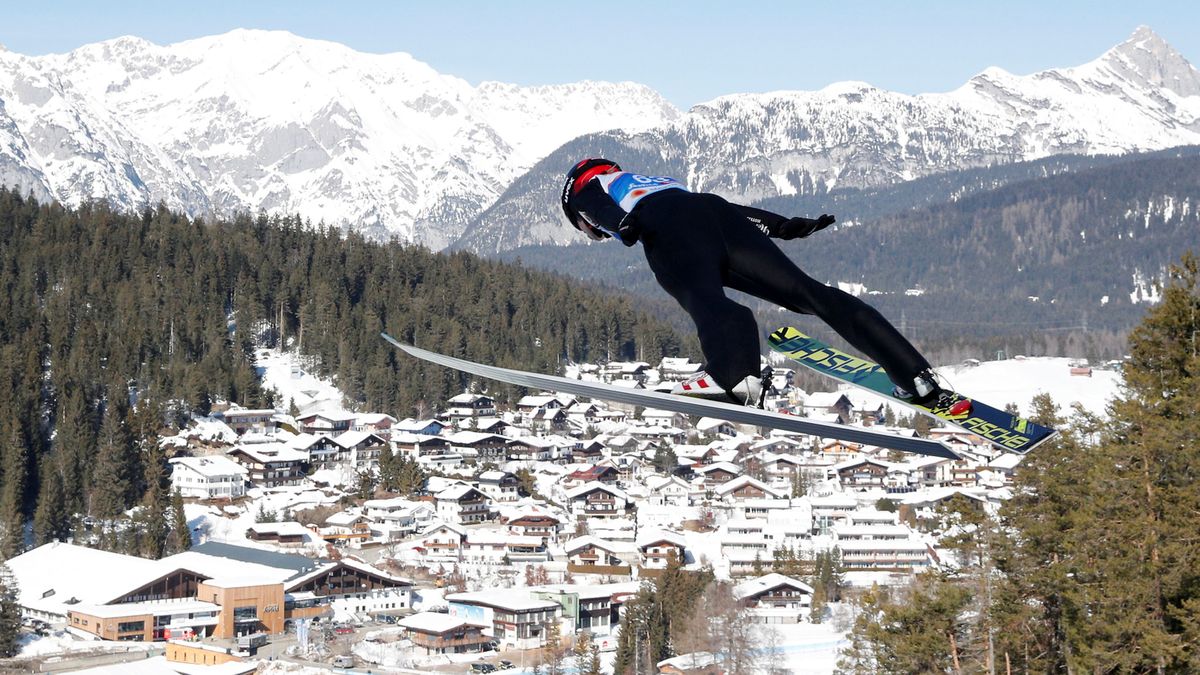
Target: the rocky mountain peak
(1146, 58)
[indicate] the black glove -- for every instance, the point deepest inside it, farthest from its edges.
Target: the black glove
(793, 228)
(629, 230)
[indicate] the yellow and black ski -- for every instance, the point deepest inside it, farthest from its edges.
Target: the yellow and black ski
(1005, 430)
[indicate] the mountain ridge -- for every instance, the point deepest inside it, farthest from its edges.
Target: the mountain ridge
(253, 121)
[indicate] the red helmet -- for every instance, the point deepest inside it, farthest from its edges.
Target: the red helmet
(577, 177)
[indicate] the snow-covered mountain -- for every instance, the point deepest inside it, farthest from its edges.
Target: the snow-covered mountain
(267, 121)
(1140, 95)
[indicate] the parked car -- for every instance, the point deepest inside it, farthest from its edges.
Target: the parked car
(482, 668)
(343, 661)
(505, 664)
(343, 630)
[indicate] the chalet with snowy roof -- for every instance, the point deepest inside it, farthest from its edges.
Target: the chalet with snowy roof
(213, 590)
(584, 411)
(243, 420)
(436, 633)
(839, 451)
(428, 427)
(774, 598)
(443, 542)
(867, 472)
(597, 500)
(270, 464)
(212, 477)
(600, 473)
(659, 435)
(517, 620)
(528, 405)
(498, 546)
(323, 452)
(628, 465)
(486, 446)
(746, 487)
(543, 525)
(499, 486)
(924, 504)
(829, 403)
(416, 445)
(492, 425)
(548, 421)
(657, 547)
(718, 473)
(463, 504)
(397, 518)
(364, 447)
(374, 423)
(665, 418)
(346, 527)
(672, 491)
(325, 423)
(288, 533)
(711, 426)
(630, 371)
(593, 555)
(470, 406)
(533, 449)
(675, 369)
(587, 451)
(999, 471)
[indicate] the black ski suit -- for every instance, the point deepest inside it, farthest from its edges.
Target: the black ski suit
(698, 244)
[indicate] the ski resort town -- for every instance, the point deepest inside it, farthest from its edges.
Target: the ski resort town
(485, 536)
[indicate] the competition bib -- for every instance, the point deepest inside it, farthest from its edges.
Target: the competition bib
(627, 188)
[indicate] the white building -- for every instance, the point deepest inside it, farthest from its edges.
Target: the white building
(208, 477)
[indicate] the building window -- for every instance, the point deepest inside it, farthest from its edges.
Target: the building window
(131, 626)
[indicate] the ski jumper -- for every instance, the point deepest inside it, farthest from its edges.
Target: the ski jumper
(698, 244)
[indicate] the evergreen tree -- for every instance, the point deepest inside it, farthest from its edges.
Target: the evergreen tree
(10, 614)
(665, 460)
(12, 495)
(181, 534)
(114, 472)
(50, 520)
(922, 633)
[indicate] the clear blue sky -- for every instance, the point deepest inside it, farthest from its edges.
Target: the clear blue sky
(688, 51)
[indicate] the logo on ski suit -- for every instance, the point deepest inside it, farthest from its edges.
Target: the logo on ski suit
(627, 189)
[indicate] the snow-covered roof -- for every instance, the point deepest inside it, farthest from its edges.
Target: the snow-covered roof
(507, 599)
(468, 398)
(729, 467)
(767, 582)
(594, 485)
(653, 536)
(375, 418)
(286, 529)
(270, 452)
(215, 465)
(743, 481)
(349, 439)
(52, 574)
(434, 622)
(579, 543)
(456, 492)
